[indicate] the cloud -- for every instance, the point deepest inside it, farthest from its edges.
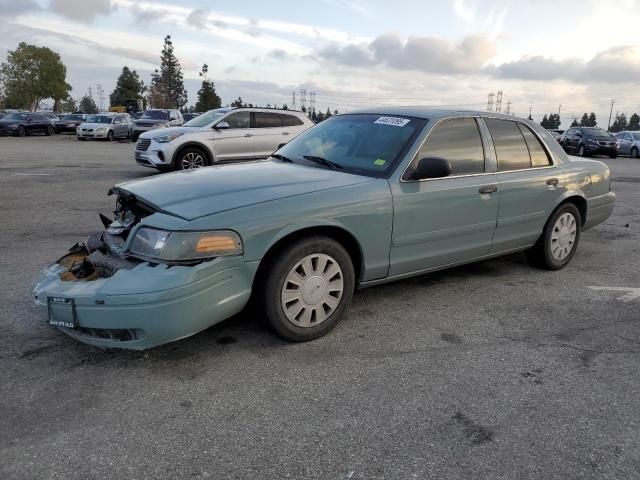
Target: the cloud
(620, 64)
(426, 54)
(81, 10)
(13, 8)
(198, 18)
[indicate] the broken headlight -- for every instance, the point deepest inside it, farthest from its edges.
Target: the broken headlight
(151, 243)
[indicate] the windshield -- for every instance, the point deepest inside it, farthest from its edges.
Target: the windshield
(366, 144)
(16, 116)
(155, 115)
(596, 132)
(99, 119)
(72, 117)
(206, 118)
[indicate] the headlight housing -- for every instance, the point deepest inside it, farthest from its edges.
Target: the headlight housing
(101, 129)
(163, 245)
(13, 125)
(167, 138)
(592, 141)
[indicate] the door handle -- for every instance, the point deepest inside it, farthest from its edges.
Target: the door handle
(285, 133)
(247, 135)
(552, 182)
(488, 189)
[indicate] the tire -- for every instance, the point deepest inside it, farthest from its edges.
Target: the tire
(559, 240)
(110, 136)
(191, 157)
(80, 139)
(50, 131)
(21, 132)
(304, 312)
(613, 155)
(634, 152)
(581, 151)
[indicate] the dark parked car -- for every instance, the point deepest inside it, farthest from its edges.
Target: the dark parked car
(69, 123)
(586, 141)
(190, 116)
(50, 115)
(25, 123)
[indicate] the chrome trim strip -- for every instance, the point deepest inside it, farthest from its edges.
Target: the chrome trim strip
(542, 142)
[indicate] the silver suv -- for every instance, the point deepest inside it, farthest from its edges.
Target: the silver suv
(218, 136)
(156, 118)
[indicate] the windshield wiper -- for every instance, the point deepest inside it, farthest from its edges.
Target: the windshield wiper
(323, 161)
(277, 156)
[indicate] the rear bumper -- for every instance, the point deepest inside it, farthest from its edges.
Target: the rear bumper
(147, 306)
(599, 209)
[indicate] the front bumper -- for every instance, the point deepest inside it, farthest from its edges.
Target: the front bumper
(157, 155)
(8, 131)
(66, 128)
(600, 150)
(148, 305)
(93, 134)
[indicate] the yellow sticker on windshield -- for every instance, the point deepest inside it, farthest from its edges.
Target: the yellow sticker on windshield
(379, 162)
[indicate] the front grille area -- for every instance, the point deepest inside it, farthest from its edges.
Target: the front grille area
(115, 334)
(607, 144)
(143, 144)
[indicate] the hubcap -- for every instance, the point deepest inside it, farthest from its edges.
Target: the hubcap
(312, 290)
(192, 160)
(563, 237)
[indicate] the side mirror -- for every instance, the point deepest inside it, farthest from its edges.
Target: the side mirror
(221, 126)
(280, 146)
(432, 167)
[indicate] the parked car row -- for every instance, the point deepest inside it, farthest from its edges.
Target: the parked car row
(587, 141)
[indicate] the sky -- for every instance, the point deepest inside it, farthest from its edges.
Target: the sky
(544, 55)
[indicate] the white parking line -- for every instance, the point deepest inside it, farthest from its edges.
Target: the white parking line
(632, 293)
(32, 174)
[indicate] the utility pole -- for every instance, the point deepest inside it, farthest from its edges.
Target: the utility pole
(530, 117)
(490, 102)
(610, 112)
(293, 100)
(499, 101)
(100, 97)
(559, 108)
(508, 107)
(303, 99)
(312, 102)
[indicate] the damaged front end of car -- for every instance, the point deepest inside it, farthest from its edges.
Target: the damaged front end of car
(136, 285)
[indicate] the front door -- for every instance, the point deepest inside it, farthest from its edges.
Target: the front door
(444, 221)
(236, 142)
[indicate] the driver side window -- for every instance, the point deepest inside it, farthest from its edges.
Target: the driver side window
(238, 120)
(457, 140)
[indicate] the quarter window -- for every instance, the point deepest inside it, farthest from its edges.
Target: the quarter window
(267, 120)
(511, 149)
(238, 120)
(290, 121)
(538, 154)
(458, 140)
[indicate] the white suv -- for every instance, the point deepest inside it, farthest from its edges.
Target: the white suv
(219, 136)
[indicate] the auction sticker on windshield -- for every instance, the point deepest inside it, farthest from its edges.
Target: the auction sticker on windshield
(393, 121)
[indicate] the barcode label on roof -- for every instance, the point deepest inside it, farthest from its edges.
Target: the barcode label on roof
(393, 121)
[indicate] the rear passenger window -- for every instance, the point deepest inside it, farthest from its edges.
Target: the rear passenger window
(290, 121)
(458, 140)
(267, 120)
(511, 149)
(538, 154)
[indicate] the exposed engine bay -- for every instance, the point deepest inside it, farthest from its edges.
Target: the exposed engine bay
(103, 253)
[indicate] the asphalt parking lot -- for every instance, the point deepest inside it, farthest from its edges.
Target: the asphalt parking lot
(491, 371)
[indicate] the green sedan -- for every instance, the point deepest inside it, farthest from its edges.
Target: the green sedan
(358, 200)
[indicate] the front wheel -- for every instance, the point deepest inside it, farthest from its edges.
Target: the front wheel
(581, 151)
(634, 152)
(613, 155)
(307, 288)
(21, 131)
(110, 136)
(191, 158)
(559, 240)
(50, 131)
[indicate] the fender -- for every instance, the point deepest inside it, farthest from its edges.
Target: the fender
(200, 145)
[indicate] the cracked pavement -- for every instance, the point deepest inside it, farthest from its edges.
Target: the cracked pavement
(495, 370)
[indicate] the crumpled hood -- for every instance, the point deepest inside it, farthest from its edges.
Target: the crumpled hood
(94, 125)
(191, 194)
(169, 131)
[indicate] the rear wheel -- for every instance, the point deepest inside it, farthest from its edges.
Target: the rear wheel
(50, 131)
(21, 131)
(191, 158)
(560, 238)
(307, 287)
(634, 152)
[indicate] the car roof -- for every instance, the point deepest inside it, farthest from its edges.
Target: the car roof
(430, 113)
(264, 109)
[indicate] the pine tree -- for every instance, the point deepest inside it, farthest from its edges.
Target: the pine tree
(584, 121)
(237, 103)
(592, 120)
(575, 123)
(167, 84)
(88, 105)
(620, 124)
(129, 88)
(208, 99)
(545, 121)
(634, 122)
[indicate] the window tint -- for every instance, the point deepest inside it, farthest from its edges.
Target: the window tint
(267, 120)
(458, 140)
(511, 150)
(238, 120)
(537, 152)
(290, 121)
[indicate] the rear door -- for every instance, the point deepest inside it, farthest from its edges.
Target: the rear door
(268, 133)
(528, 184)
(444, 221)
(291, 127)
(236, 142)
(626, 141)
